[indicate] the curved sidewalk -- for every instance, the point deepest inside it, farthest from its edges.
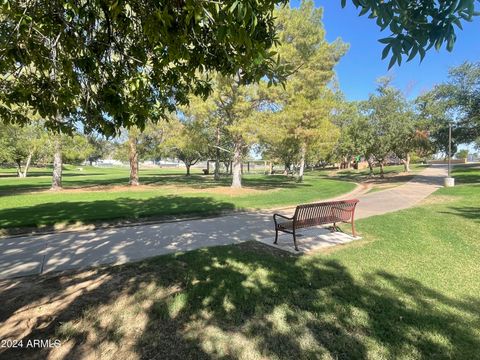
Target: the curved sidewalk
(403, 196)
(39, 254)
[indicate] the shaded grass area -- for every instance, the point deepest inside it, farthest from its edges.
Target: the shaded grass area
(88, 208)
(466, 174)
(87, 176)
(408, 290)
(170, 195)
(390, 171)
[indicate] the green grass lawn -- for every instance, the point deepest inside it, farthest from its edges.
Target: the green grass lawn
(409, 290)
(169, 193)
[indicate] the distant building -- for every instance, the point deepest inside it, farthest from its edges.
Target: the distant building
(107, 162)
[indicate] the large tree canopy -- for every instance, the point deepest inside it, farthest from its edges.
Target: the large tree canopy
(306, 105)
(110, 64)
(417, 25)
(455, 102)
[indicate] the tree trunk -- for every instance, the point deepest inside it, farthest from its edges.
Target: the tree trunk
(270, 169)
(57, 164)
(187, 165)
(237, 166)
(27, 164)
(382, 174)
(19, 168)
(406, 163)
(133, 158)
(216, 174)
(370, 166)
(303, 154)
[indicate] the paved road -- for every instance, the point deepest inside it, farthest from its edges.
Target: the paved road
(61, 251)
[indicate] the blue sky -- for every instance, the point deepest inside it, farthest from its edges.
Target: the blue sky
(360, 67)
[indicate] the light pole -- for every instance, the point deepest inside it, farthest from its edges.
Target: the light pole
(449, 148)
(449, 181)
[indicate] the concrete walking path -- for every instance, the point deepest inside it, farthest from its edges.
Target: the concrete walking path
(403, 196)
(38, 254)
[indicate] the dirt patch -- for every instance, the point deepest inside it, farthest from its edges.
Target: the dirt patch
(389, 178)
(183, 189)
(41, 300)
(112, 188)
(226, 190)
(102, 188)
(58, 307)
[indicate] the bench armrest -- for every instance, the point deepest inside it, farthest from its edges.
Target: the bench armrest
(341, 212)
(282, 216)
(343, 209)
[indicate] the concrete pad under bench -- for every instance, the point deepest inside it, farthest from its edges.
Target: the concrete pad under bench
(308, 240)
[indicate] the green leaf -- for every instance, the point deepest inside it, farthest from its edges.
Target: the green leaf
(413, 52)
(458, 23)
(364, 11)
(392, 61)
(421, 50)
(385, 51)
(386, 40)
(451, 42)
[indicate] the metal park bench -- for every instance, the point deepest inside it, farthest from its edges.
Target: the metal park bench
(310, 215)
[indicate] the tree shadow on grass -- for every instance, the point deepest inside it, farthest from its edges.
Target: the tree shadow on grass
(75, 181)
(70, 181)
(200, 181)
(245, 301)
(468, 212)
(29, 175)
(91, 212)
(467, 174)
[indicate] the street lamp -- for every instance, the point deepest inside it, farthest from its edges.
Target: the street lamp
(449, 148)
(449, 181)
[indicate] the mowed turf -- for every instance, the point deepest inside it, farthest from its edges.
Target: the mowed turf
(409, 289)
(95, 194)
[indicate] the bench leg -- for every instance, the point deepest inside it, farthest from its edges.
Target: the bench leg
(295, 240)
(353, 229)
(334, 227)
(276, 236)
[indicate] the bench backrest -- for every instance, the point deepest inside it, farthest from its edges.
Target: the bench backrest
(322, 213)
